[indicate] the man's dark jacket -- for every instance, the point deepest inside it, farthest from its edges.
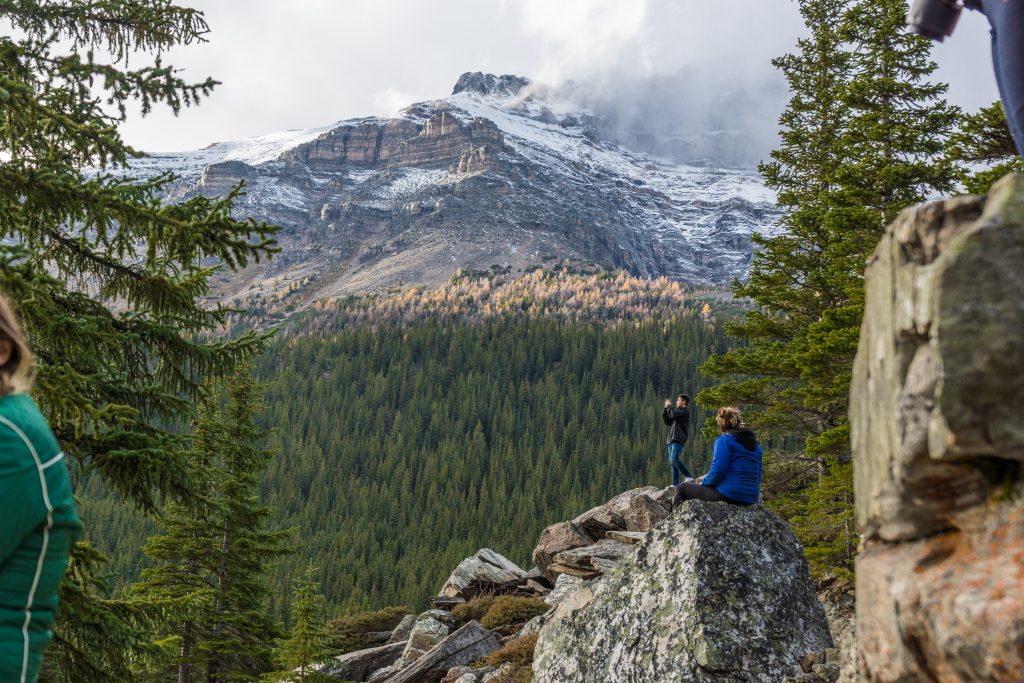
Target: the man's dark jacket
(678, 421)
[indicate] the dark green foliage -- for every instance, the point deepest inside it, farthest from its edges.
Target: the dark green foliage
(349, 633)
(214, 551)
(862, 139)
(112, 323)
(983, 143)
(407, 447)
(511, 609)
(306, 647)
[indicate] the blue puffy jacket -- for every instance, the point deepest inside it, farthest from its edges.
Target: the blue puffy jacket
(736, 467)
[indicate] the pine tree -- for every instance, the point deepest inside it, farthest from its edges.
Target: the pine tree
(790, 277)
(306, 646)
(108, 280)
(869, 148)
(241, 633)
(984, 139)
(213, 554)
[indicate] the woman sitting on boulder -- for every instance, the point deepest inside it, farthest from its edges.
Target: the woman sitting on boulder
(735, 474)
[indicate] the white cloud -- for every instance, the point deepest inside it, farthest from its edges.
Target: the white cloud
(583, 37)
(305, 63)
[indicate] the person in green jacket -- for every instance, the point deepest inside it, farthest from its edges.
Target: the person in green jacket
(37, 511)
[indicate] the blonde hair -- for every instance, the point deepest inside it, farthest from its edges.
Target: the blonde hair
(14, 374)
(728, 417)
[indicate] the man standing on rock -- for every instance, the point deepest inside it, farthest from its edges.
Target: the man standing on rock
(678, 421)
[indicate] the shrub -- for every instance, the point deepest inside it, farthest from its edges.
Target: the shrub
(513, 610)
(519, 653)
(351, 632)
(474, 609)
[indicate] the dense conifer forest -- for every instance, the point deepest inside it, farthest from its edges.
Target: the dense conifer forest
(404, 445)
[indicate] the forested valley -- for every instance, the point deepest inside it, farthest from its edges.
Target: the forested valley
(402, 445)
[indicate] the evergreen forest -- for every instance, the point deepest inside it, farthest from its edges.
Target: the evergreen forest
(404, 447)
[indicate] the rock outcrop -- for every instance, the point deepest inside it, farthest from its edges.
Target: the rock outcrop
(593, 543)
(480, 574)
(716, 593)
(468, 644)
(938, 443)
(358, 665)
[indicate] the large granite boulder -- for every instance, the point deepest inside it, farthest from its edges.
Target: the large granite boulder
(429, 629)
(716, 593)
(468, 644)
(478, 573)
(938, 443)
(358, 665)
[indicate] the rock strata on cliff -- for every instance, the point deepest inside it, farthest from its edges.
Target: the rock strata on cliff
(938, 444)
(492, 174)
(716, 593)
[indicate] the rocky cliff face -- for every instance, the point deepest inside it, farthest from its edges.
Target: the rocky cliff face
(492, 174)
(938, 442)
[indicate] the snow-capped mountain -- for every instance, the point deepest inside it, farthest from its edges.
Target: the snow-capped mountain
(498, 173)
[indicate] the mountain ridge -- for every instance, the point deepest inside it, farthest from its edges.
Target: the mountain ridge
(499, 173)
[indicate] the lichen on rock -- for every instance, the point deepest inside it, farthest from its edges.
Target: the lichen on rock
(716, 593)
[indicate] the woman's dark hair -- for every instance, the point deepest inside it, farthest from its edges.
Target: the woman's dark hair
(684, 397)
(14, 374)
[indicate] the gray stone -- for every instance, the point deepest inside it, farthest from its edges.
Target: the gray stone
(475, 574)
(555, 539)
(937, 381)
(718, 593)
(643, 514)
(468, 644)
(500, 674)
(605, 566)
(358, 665)
(430, 628)
(621, 502)
(565, 586)
(596, 522)
(631, 537)
(403, 630)
(456, 673)
(583, 558)
(532, 626)
(664, 497)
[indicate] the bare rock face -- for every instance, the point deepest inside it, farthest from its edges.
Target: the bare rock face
(356, 666)
(600, 520)
(430, 628)
(555, 539)
(643, 514)
(468, 644)
(938, 442)
(621, 503)
(716, 593)
(476, 574)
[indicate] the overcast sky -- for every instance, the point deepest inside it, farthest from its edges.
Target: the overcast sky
(303, 63)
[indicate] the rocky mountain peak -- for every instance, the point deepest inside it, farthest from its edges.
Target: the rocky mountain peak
(489, 84)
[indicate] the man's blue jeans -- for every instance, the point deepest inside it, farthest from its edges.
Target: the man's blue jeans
(1007, 21)
(679, 471)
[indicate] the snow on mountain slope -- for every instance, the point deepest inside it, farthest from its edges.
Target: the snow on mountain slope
(494, 174)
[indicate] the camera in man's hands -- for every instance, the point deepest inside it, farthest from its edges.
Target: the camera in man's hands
(934, 19)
